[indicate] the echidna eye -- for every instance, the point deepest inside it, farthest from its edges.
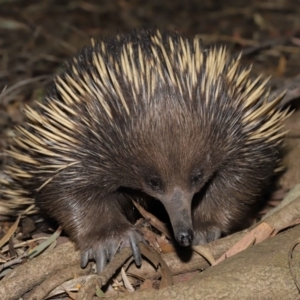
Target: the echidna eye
(155, 183)
(196, 177)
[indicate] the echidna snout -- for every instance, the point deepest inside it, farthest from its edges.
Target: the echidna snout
(178, 207)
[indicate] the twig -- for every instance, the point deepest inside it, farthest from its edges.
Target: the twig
(88, 290)
(42, 290)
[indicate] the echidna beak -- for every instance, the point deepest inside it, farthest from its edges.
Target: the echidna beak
(178, 207)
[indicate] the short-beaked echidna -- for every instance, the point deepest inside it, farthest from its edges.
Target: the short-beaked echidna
(152, 112)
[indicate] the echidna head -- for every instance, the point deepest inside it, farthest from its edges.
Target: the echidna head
(172, 164)
(177, 199)
(175, 189)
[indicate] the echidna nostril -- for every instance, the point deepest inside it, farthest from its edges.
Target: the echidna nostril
(185, 238)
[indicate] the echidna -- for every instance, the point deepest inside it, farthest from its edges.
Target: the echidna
(153, 112)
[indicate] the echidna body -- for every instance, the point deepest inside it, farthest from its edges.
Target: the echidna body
(151, 112)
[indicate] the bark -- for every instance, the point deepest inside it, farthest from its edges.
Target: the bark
(260, 272)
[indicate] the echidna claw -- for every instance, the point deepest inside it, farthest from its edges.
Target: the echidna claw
(104, 251)
(135, 238)
(84, 259)
(206, 236)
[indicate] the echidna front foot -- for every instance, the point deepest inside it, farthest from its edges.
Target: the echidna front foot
(104, 251)
(207, 235)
